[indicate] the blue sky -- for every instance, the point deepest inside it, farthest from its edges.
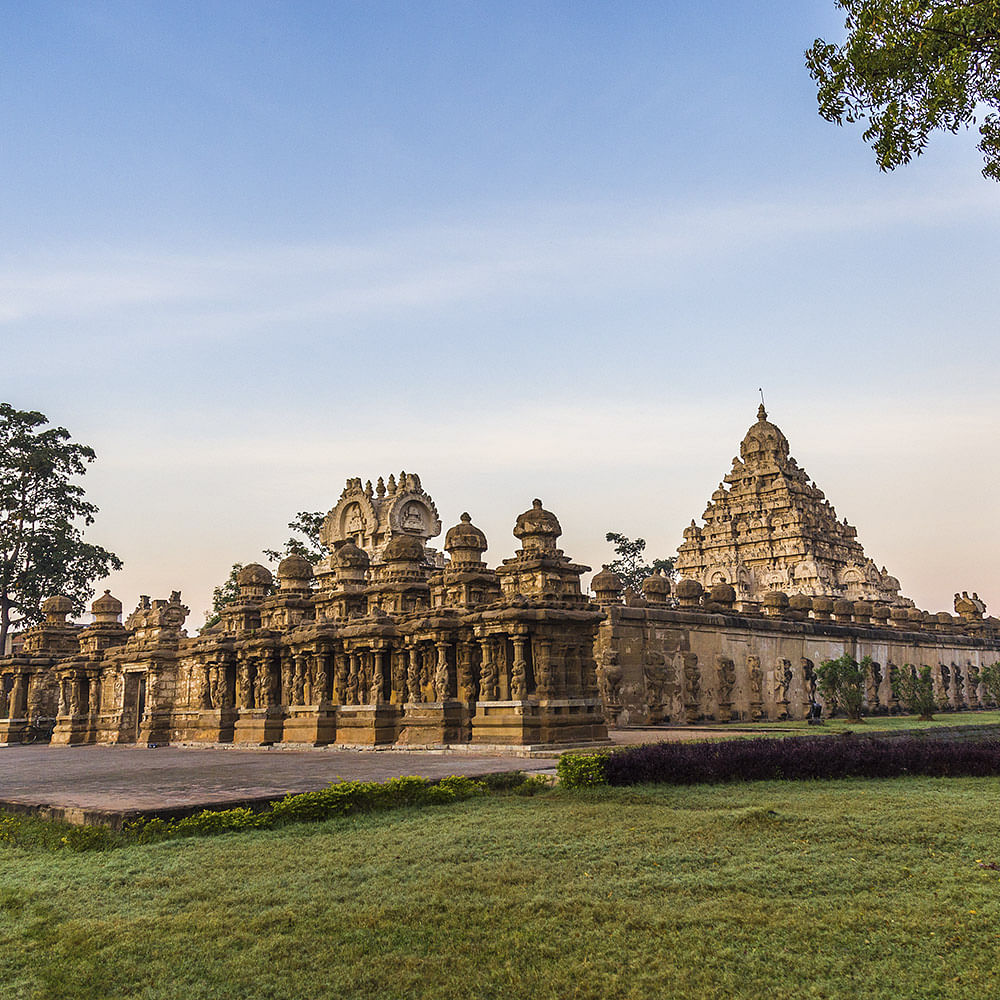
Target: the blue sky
(521, 248)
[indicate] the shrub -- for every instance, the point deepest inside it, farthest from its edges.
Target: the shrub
(800, 758)
(843, 681)
(534, 785)
(915, 689)
(10, 829)
(89, 838)
(989, 677)
(577, 770)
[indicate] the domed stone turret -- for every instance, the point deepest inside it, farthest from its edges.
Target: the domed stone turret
(688, 592)
(404, 548)
(254, 580)
(465, 543)
(607, 587)
(537, 528)
(349, 556)
(764, 441)
(56, 609)
(723, 594)
(106, 609)
(656, 588)
(775, 603)
(295, 573)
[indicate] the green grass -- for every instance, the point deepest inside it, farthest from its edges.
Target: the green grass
(840, 889)
(874, 723)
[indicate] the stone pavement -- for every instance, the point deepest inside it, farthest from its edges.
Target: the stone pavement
(109, 784)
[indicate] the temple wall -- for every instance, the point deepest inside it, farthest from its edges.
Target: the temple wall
(660, 665)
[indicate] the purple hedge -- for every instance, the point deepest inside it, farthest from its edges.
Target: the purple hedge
(799, 758)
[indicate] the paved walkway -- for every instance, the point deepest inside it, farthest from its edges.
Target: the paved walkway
(108, 784)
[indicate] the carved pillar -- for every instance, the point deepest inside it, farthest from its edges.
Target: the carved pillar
(321, 682)
(503, 667)
(4, 697)
(413, 675)
(398, 659)
(267, 685)
(287, 679)
(545, 682)
(466, 678)
(340, 677)
(242, 682)
(488, 671)
(380, 655)
(574, 671)
(299, 680)
(519, 672)
(442, 685)
(18, 697)
(63, 708)
(353, 681)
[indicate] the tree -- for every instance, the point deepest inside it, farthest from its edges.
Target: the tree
(630, 565)
(843, 681)
(911, 67)
(307, 523)
(915, 689)
(989, 677)
(42, 514)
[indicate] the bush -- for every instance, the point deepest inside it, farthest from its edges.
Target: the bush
(89, 838)
(800, 758)
(10, 830)
(915, 689)
(577, 770)
(842, 682)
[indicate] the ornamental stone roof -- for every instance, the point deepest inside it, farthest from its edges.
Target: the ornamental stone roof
(769, 527)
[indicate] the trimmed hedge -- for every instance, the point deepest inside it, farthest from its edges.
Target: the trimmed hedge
(800, 758)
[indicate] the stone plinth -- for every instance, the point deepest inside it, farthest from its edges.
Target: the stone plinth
(155, 727)
(10, 730)
(210, 725)
(367, 725)
(434, 723)
(73, 730)
(553, 721)
(313, 724)
(260, 726)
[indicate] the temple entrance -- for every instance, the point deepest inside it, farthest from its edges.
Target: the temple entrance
(134, 705)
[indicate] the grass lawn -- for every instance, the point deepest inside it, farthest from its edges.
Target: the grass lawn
(872, 724)
(779, 890)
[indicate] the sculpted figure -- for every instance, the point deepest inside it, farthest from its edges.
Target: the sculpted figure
(488, 678)
(518, 681)
(466, 680)
(398, 676)
(319, 688)
(203, 687)
(352, 683)
(413, 680)
(441, 679)
(243, 693)
(609, 678)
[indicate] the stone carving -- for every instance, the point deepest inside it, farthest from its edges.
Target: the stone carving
(768, 528)
(755, 677)
(725, 681)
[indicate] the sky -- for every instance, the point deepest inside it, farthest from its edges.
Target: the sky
(525, 249)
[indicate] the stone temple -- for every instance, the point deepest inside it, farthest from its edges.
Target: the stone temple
(769, 527)
(386, 641)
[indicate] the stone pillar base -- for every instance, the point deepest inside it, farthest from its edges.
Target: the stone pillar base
(534, 723)
(10, 730)
(434, 723)
(154, 730)
(368, 725)
(73, 730)
(260, 726)
(314, 724)
(208, 725)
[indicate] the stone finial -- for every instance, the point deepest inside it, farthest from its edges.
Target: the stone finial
(761, 412)
(656, 588)
(380, 487)
(775, 603)
(465, 543)
(56, 609)
(688, 593)
(607, 586)
(537, 529)
(723, 594)
(254, 580)
(107, 610)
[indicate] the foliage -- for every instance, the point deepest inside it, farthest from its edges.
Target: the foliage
(843, 681)
(307, 524)
(630, 564)
(823, 889)
(911, 67)
(344, 798)
(989, 677)
(42, 514)
(915, 689)
(578, 770)
(800, 758)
